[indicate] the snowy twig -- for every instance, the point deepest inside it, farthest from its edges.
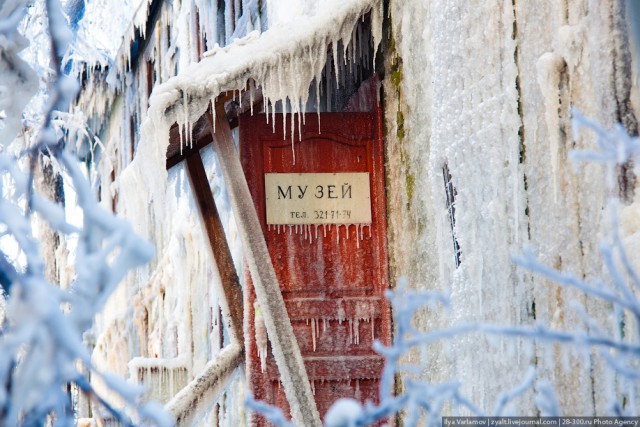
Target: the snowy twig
(11, 22)
(273, 414)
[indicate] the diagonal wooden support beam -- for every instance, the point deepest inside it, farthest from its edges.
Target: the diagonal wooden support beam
(283, 341)
(233, 302)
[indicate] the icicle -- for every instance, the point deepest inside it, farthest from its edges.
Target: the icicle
(341, 313)
(284, 120)
(185, 105)
(549, 68)
(299, 123)
(228, 21)
(293, 147)
(324, 324)
(251, 94)
(358, 394)
(293, 121)
(213, 112)
(261, 337)
(356, 330)
(236, 12)
(350, 331)
(324, 230)
(328, 84)
(373, 328)
(265, 106)
(352, 48)
(273, 118)
(314, 331)
(334, 44)
(180, 133)
(359, 36)
(318, 96)
(377, 16)
(343, 73)
(313, 387)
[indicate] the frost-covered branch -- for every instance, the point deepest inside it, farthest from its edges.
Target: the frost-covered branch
(614, 147)
(41, 347)
(9, 23)
(272, 413)
(421, 402)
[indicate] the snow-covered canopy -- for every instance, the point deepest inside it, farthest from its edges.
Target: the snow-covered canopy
(283, 60)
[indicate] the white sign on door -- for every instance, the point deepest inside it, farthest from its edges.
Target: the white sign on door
(318, 198)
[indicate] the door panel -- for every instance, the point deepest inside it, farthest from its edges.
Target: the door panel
(332, 276)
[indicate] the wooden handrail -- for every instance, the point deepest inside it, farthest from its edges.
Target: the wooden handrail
(198, 395)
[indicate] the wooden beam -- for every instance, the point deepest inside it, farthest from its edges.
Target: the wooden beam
(178, 150)
(283, 342)
(242, 104)
(206, 388)
(233, 302)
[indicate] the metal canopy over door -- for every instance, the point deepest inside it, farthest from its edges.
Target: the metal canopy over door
(327, 241)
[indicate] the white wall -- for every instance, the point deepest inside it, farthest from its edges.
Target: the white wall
(487, 87)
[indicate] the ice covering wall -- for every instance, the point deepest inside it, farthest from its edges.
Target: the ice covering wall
(482, 90)
(163, 324)
(477, 99)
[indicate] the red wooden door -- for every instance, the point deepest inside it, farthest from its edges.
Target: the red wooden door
(332, 276)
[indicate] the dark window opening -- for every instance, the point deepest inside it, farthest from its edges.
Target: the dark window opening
(151, 77)
(221, 36)
(451, 194)
(238, 9)
(200, 45)
(132, 136)
(114, 198)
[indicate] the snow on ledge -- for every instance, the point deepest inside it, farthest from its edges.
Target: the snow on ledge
(284, 60)
(138, 363)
